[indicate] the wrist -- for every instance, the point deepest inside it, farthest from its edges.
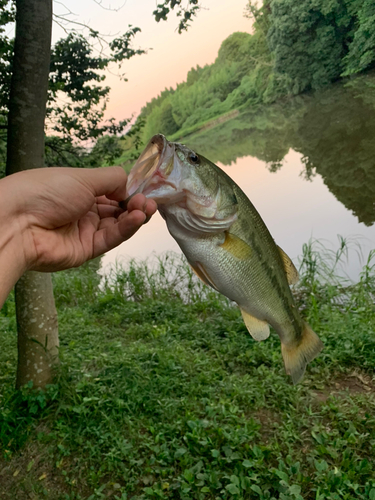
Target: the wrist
(12, 252)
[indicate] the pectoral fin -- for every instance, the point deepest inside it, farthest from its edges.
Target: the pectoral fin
(202, 274)
(235, 246)
(289, 267)
(257, 328)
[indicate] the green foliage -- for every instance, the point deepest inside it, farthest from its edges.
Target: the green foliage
(361, 55)
(161, 120)
(75, 73)
(7, 16)
(295, 46)
(317, 42)
(77, 287)
(77, 97)
(163, 394)
(60, 152)
(63, 152)
(3, 147)
(107, 148)
(308, 40)
(186, 13)
(193, 76)
(234, 48)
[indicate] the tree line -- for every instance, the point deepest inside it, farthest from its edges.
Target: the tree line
(296, 46)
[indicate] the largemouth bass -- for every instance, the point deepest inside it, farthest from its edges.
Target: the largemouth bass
(227, 244)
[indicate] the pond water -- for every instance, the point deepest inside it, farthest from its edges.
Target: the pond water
(308, 166)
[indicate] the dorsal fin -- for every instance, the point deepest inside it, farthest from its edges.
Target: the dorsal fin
(257, 328)
(290, 269)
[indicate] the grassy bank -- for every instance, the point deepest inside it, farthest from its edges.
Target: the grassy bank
(163, 394)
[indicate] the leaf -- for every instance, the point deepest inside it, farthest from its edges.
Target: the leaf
(188, 475)
(257, 451)
(256, 488)
(247, 463)
(180, 452)
(232, 488)
(235, 480)
(282, 475)
(320, 465)
(295, 489)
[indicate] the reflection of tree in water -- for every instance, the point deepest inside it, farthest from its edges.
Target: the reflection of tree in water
(333, 129)
(336, 137)
(259, 133)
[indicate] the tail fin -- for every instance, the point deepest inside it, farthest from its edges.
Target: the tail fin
(296, 357)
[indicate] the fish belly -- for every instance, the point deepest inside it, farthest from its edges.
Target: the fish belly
(243, 281)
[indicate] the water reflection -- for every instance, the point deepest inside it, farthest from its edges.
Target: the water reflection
(327, 137)
(334, 131)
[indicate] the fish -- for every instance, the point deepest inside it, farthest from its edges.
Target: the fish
(226, 243)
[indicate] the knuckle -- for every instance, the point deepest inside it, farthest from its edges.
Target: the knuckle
(120, 172)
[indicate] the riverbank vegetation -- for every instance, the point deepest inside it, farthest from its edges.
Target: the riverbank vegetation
(163, 394)
(295, 46)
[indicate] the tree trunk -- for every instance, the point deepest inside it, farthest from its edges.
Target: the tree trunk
(35, 306)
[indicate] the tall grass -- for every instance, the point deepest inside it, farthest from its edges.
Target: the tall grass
(167, 276)
(323, 278)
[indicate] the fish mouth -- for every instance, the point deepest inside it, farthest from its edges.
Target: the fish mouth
(150, 173)
(147, 164)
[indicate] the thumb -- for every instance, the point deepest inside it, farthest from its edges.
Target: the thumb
(108, 181)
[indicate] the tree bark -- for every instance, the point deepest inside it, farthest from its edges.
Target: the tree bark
(38, 339)
(35, 306)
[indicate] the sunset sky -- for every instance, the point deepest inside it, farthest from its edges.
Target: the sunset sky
(170, 55)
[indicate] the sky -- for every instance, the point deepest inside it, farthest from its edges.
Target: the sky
(169, 55)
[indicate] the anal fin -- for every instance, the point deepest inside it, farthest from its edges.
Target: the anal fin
(257, 328)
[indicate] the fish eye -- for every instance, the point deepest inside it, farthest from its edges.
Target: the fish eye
(193, 158)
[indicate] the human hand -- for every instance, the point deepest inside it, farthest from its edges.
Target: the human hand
(63, 217)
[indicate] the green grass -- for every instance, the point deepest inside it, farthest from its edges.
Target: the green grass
(162, 394)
